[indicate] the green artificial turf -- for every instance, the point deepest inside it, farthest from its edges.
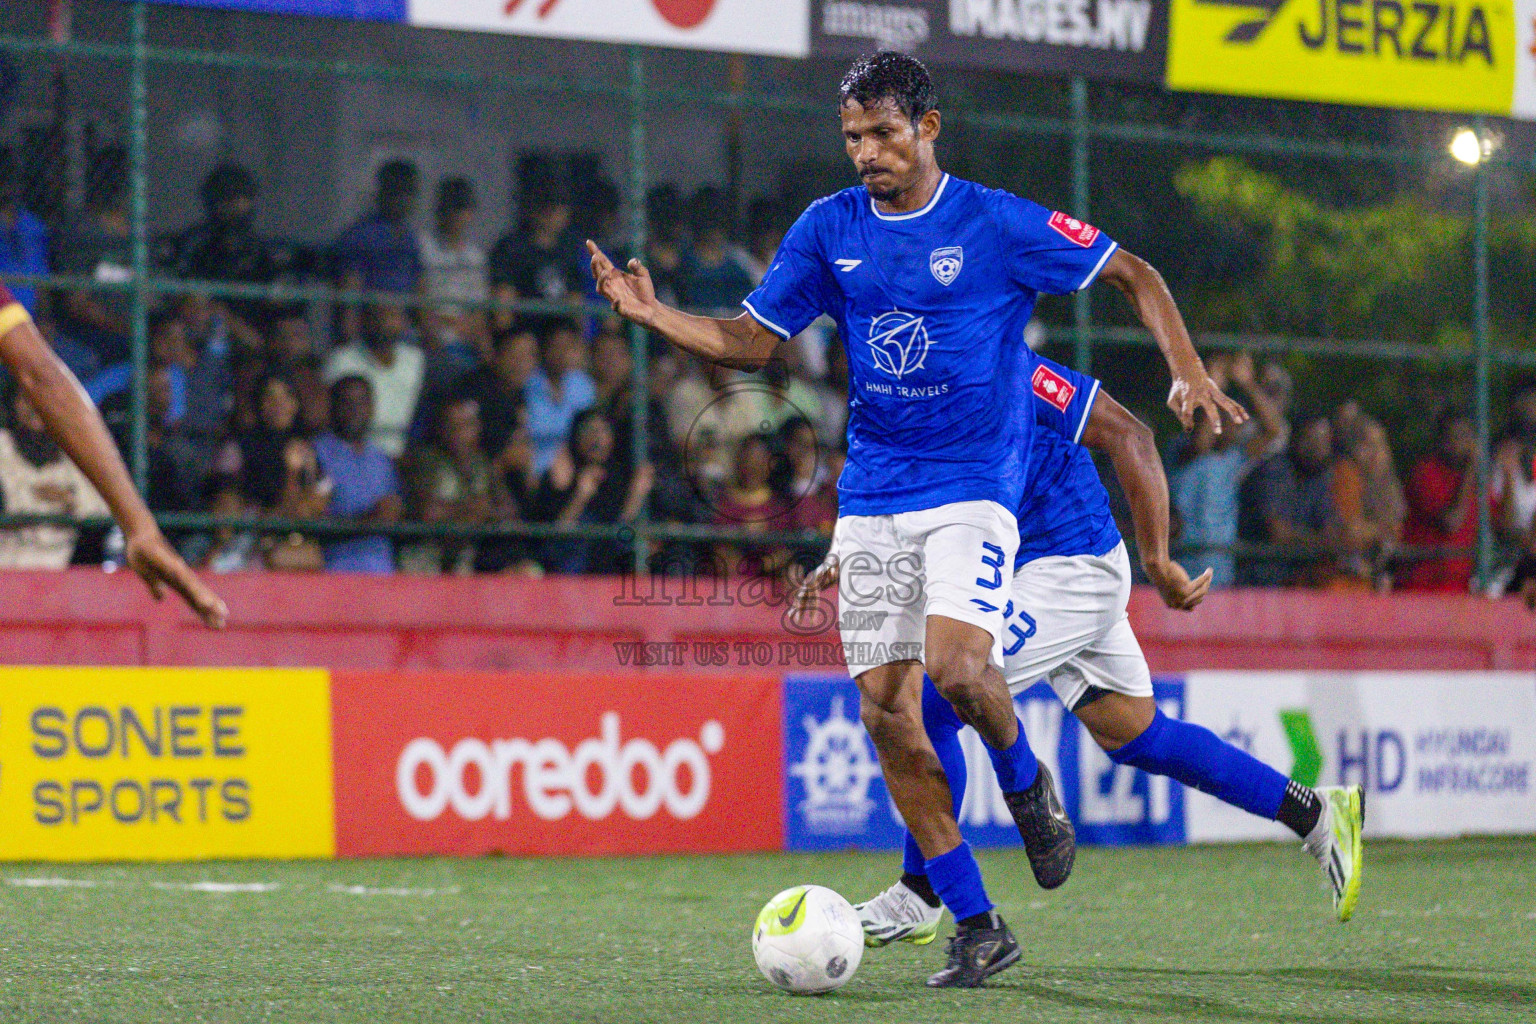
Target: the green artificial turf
(1444, 932)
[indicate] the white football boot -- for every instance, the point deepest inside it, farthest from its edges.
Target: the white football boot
(1336, 844)
(899, 915)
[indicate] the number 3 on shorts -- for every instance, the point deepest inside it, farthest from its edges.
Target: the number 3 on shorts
(1020, 635)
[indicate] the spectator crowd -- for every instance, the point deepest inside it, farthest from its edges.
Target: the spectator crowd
(433, 400)
(439, 398)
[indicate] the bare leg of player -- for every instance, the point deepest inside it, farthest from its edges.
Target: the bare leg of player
(959, 663)
(891, 707)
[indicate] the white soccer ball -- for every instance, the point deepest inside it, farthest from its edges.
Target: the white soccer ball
(807, 940)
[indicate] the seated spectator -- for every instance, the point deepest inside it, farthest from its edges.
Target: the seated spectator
(178, 469)
(1312, 523)
(1203, 482)
(712, 274)
(37, 478)
(389, 359)
(289, 353)
(1368, 503)
(710, 410)
(206, 352)
(613, 367)
(454, 281)
(362, 485)
(94, 325)
(587, 483)
(557, 391)
(808, 484)
(500, 387)
(748, 502)
(23, 238)
(450, 480)
(666, 242)
(1442, 508)
(541, 258)
(379, 252)
(269, 469)
(224, 246)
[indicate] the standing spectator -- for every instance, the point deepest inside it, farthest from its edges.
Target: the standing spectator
(542, 258)
(23, 239)
(1442, 508)
(206, 353)
(1313, 523)
(379, 252)
(224, 246)
(765, 230)
(1368, 502)
(665, 242)
(584, 484)
(558, 390)
(177, 468)
(363, 485)
(94, 325)
(1203, 483)
(450, 480)
(36, 477)
(712, 275)
(454, 282)
(392, 364)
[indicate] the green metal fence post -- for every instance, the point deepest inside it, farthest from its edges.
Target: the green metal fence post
(1082, 310)
(1480, 341)
(138, 184)
(640, 377)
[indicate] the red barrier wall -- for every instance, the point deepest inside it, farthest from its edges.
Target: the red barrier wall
(83, 616)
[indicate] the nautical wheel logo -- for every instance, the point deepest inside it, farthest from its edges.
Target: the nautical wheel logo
(836, 770)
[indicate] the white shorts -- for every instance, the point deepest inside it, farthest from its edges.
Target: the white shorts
(1068, 626)
(896, 570)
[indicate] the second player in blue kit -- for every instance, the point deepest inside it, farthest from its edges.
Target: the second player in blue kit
(931, 280)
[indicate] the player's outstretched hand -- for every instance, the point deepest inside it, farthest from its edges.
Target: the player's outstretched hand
(159, 566)
(1176, 588)
(807, 593)
(1196, 390)
(631, 292)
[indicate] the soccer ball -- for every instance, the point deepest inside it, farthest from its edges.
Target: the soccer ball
(807, 940)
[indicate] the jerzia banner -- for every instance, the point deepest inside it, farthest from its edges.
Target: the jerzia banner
(1114, 39)
(187, 764)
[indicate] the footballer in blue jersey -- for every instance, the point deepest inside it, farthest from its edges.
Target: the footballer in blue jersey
(931, 280)
(1067, 625)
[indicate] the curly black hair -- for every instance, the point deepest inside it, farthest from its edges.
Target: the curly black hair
(889, 75)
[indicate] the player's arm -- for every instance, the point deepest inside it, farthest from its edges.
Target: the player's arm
(742, 343)
(1192, 387)
(77, 427)
(1132, 448)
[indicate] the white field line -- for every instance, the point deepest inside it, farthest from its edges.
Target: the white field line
(54, 883)
(218, 887)
(365, 890)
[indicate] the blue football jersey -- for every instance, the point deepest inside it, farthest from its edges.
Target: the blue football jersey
(1065, 510)
(931, 307)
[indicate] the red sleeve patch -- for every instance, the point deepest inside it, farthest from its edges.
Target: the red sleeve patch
(1053, 388)
(1073, 230)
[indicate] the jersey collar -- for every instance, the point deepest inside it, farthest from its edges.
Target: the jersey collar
(938, 194)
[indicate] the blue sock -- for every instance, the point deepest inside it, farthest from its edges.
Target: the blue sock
(1016, 767)
(1198, 758)
(943, 727)
(956, 877)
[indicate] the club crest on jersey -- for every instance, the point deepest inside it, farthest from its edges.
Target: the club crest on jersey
(1052, 387)
(898, 342)
(1074, 230)
(946, 263)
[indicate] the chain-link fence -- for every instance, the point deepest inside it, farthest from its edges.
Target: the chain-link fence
(1373, 278)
